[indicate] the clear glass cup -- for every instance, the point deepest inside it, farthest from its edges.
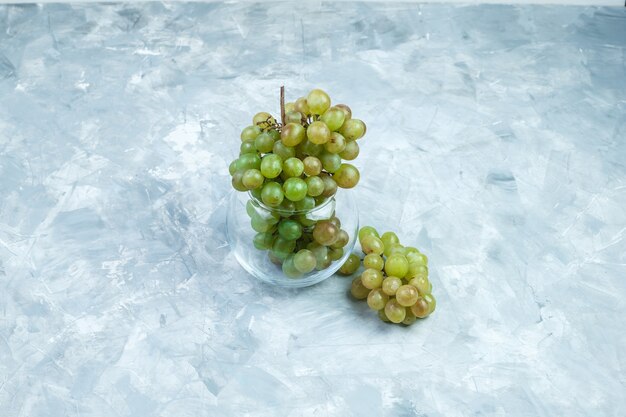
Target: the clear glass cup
(244, 206)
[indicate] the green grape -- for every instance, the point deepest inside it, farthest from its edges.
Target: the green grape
(351, 265)
(292, 134)
(346, 111)
(289, 229)
(251, 209)
(282, 245)
(350, 152)
(394, 311)
(302, 106)
(342, 239)
(330, 186)
(289, 267)
(335, 220)
(347, 176)
(325, 233)
(264, 143)
(358, 290)
(304, 261)
(432, 303)
(422, 284)
(335, 253)
(391, 285)
(420, 308)
(263, 240)
(352, 129)
(315, 186)
(318, 133)
(373, 261)
(252, 179)
(377, 299)
(421, 259)
(333, 118)
(260, 225)
(247, 146)
(318, 101)
(285, 152)
(407, 295)
(305, 221)
(388, 239)
(293, 167)
(396, 265)
(322, 258)
(383, 316)
(336, 144)
(256, 193)
(372, 278)
(249, 161)
(307, 203)
(290, 106)
(312, 166)
(409, 318)
(271, 166)
(272, 194)
(417, 270)
(293, 117)
(234, 167)
(295, 189)
(287, 207)
(250, 133)
(263, 120)
(274, 259)
(237, 181)
(367, 231)
(396, 248)
(309, 148)
(330, 161)
(372, 244)
(274, 134)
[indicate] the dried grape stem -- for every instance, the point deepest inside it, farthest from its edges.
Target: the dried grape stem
(282, 104)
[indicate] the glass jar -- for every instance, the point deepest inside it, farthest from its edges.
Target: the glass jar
(249, 217)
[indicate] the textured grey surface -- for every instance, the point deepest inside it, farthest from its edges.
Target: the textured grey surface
(496, 143)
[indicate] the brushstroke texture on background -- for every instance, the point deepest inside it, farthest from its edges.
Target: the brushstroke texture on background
(496, 143)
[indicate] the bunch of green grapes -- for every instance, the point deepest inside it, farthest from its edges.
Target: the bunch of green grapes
(395, 280)
(292, 167)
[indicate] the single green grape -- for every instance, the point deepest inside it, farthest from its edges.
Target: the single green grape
(274, 134)
(273, 258)
(256, 193)
(358, 290)
(304, 261)
(432, 303)
(409, 318)
(260, 225)
(420, 308)
(315, 186)
(309, 148)
(347, 176)
(396, 265)
(251, 209)
(383, 316)
(367, 231)
(394, 311)
(318, 132)
(373, 261)
(283, 246)
(247, 146)
(346, 111)
(407, 295)
(293, 167)
(263, 120)
(322, 257)
(350, 152)
(289, 229)
(271, 166)
(421, 259)
(263, 240)
(377, 299)
(249, 161)
(250, 133)
(304, 220)
(264, 143)
(234, 167)
(388, 239)
(302, 106)
(330, 161)
(335, 253)
(335, 220)
(272, 194)
(372, 278)
(351, 265)
(307, 203)
(333, 118)
(287, 208)
(289, 267)
(336, 144)
(285, 152)
(342, 239)
(391, 285)
(237, 181)
(417, 270)
(293, 117)
(318, 101)
(372, 244)
(353, 129)
(396, 248)
(325, 233)
(290, 106)
(312, 166)
(295, 189)
(292, 134)
(422, 284)
(252, 179)
(330, 186)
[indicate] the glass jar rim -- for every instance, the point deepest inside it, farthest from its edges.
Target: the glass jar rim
(281, 210)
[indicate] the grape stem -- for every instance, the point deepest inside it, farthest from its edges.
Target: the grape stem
(282, 104)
